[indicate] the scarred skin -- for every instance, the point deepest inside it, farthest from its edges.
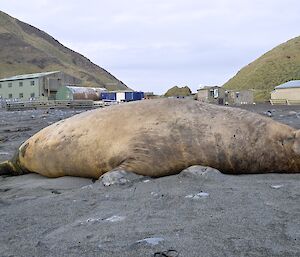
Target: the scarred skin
(158, 138)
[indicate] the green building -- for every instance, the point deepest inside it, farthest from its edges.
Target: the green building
(41, 86)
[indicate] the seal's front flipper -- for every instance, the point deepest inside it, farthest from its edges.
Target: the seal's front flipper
(203, 174)
(118, 176)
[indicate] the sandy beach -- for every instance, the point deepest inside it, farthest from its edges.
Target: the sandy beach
(199, 212)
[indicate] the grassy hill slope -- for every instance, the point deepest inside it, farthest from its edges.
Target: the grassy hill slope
(26, 49)
(178, 91)
(277, 66)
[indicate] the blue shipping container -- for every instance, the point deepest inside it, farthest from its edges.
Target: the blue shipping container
(142, 95)
(128, 96)
(108, 96)
(133, 96)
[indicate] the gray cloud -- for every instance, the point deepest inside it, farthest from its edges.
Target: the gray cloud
(152, 45)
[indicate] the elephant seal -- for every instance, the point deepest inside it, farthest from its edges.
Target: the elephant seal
(158, 138)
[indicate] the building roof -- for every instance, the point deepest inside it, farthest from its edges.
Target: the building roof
(208, 88)
(290, 84)
(28, 76)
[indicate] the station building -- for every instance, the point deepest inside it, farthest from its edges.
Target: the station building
(286, 93)
(219, 95)
(41, 86)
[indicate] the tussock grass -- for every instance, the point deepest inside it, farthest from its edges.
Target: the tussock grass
(178, 91)
(277, 66)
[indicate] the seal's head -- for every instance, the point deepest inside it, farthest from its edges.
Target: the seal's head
(292, 151)
(296, 143)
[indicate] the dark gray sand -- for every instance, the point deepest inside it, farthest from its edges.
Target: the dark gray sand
(195, 213)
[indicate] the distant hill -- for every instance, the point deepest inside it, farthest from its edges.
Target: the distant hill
(26, 49)
(178, 91)
(277, 66)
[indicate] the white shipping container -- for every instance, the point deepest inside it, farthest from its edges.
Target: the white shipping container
(120, 96)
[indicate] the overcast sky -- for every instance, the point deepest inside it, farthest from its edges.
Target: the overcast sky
(152, 45)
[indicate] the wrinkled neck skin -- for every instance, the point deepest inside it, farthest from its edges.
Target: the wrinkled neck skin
(279, 154)
(285, 152)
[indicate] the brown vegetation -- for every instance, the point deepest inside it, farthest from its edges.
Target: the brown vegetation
(26, 49)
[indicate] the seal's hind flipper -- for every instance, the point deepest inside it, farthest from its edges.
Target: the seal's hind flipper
(118, 176)
(6, 168)
(12, 167)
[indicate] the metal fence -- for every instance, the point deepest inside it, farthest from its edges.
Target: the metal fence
(284, 102)
(53, 104)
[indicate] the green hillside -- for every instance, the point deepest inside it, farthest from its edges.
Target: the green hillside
(277, 66)
(26, 49)
(178, 91)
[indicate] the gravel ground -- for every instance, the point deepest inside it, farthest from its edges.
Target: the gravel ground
(196, 213)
